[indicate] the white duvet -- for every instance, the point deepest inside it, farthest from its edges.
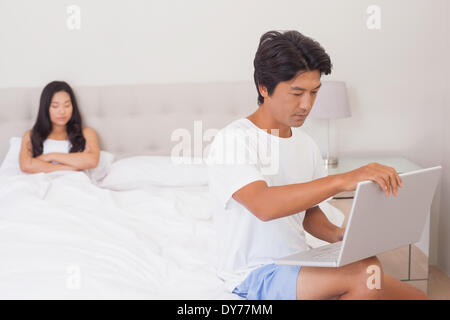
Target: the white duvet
(62, 237)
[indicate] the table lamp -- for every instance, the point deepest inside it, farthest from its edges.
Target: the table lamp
(331, 103)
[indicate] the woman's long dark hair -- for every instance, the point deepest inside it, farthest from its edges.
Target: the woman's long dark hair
(43, 125)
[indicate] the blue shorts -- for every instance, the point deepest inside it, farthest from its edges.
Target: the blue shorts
(270, 282)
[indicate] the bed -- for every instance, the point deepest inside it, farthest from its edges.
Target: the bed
(137, 227)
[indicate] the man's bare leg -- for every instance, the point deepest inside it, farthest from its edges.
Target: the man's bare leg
(351, 282)
(398, 290)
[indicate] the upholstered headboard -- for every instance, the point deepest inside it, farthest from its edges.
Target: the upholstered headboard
(137, 119)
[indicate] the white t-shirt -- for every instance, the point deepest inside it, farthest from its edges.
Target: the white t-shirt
(240, 154)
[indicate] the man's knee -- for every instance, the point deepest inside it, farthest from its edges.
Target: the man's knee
(369, 278)
(372, 262)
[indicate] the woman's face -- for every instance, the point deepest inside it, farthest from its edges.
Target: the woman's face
(60, 108)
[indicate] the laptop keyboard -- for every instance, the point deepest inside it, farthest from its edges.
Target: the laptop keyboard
(326, 251)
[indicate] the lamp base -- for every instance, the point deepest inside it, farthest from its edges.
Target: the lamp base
(331, 162)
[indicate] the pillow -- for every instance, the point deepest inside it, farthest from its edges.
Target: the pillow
(104, 162)
(11, 160)
(143, 171)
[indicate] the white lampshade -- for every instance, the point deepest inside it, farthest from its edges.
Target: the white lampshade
(331, 101)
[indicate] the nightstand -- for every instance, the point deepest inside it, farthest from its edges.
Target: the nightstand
(408, 263)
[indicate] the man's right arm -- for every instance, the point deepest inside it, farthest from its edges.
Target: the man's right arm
(268, 203)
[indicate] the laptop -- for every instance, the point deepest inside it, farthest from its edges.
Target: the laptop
(377, 223)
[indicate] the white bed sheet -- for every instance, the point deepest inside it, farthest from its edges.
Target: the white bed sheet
(62, 237)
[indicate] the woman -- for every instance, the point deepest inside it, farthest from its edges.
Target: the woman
(57, 140)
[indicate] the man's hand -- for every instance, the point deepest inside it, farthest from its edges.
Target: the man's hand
(386, 177)
(317, 224)
(339, 234)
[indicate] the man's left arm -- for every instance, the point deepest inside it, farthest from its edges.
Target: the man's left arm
(317, 224)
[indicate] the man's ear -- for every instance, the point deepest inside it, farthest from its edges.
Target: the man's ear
(263, 91)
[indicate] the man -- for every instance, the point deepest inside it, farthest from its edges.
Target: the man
(267, 179)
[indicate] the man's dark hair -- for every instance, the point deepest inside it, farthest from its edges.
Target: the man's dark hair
(282, 56)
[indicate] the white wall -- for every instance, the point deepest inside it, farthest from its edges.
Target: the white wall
(395, 75)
